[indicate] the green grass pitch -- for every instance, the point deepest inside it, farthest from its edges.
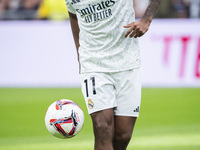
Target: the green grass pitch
(169, 120)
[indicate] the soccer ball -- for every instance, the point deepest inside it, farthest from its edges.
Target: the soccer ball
(64, 118)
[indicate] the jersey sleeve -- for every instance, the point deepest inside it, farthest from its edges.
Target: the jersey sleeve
(69, 7)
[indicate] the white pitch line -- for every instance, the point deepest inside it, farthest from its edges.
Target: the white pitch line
(166, 140)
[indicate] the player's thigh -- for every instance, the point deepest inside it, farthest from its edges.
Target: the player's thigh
(128, 93)
(98, 91)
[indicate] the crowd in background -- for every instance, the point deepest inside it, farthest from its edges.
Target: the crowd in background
(56, 9)
(33, 10)
(171, 8)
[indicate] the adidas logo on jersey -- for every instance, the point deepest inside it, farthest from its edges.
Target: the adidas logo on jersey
(75, 1)
(137, 109)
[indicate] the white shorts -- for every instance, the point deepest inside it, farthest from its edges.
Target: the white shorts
(119, 90)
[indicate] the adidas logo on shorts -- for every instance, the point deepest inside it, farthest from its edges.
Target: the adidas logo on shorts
(137, 109)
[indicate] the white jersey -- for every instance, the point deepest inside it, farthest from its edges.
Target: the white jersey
(103, 47)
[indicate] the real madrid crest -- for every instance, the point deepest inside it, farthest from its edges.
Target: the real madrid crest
(90, 104)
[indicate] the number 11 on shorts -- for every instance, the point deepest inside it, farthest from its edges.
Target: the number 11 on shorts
(91, 81)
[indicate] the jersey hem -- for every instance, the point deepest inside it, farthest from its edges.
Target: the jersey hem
(109, 70)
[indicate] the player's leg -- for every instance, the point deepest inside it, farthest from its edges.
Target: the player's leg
(128, 99)
(100, 98)
(103, 126)
(123, 129)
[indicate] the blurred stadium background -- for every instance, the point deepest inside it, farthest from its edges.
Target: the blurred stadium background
(38, 65)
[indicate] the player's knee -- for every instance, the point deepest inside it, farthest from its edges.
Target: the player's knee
(103, 125)
(103, 130)
(123, 137)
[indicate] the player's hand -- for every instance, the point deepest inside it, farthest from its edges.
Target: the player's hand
(137, 28)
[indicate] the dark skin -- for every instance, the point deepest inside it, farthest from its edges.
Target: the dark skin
(114, 132)
(75, 32)
(139, 28)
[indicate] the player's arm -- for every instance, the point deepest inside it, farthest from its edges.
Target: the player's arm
(139, 28)
(75, 30)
